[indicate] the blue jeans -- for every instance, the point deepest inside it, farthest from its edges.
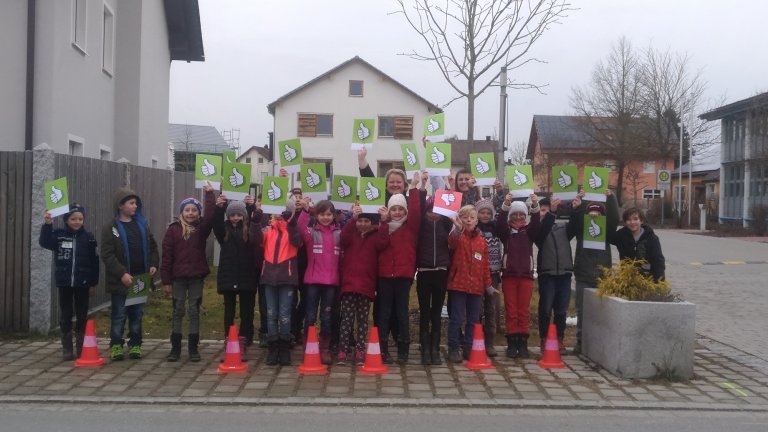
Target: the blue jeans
(463, 307)
(120, 312)
(554, 296)
(279, 308)
(324, 297)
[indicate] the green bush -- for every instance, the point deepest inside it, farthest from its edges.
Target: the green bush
(629, 282)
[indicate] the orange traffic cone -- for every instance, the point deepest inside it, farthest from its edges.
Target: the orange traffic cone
(478, 359)
(373, 364)
(90, 355)
(233, 359)
(551, 356)
(312, 364)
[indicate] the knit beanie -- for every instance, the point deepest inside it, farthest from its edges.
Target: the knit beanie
(74, 208)
(397, 200)
(597, 207)
(192, 201)
(236, 207)
(485, 204)
(518, 207)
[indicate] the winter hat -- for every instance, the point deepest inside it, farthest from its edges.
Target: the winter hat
(518, 207)
(484, 204)
(397, 200)
(374, 217)
(192, 201)
(74, 208)
(596, 207)
(236, 207)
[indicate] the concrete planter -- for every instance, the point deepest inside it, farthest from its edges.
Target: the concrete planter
(633, 339)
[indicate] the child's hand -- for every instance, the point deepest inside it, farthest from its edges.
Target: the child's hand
(47, 218)
(534, 199)
(491, 291)
(356, 210)
(424, 179)
(152, 271)
(608, 192)
(248, 200)
(508, 199)
(424, 140)
(457, 223)
(167, 290)
(553, 204)
(207, 188)
(221, 200)
(383, 214)
(576, 201)
(127, 279)
(415, 180)
(451, 181)
(472, 181)
(361, 154)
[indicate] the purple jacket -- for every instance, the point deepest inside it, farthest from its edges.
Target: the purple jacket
(323, 245)
(518, 244)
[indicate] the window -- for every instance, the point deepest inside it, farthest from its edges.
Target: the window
(311, 125)
(610, 164)
(355, 88)
(247, 160)
(108, 42)
(711, 191)
(651, 193)
(76, 145)
(397, 127)
(385, 166)
(79, 18)
(105, 153)
(649, 167)
(261, 160)
(154, 161)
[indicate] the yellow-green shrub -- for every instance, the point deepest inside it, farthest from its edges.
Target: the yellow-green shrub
(629, 282)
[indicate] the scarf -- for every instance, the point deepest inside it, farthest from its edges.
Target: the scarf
(394, 225)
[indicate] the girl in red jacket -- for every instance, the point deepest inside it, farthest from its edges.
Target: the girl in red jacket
(468, 279)
(184, 268)
(517, 278)
(397, 265)
(362, 241)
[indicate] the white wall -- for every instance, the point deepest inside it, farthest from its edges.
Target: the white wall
(13, 70)
(381, 97)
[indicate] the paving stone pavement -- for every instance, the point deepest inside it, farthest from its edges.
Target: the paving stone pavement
(33, 372)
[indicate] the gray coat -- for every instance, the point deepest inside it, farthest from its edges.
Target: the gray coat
(554, 244)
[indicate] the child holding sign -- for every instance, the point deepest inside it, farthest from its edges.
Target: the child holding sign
(77, 273)
(185, 267)
(517, 278)
(128, 249)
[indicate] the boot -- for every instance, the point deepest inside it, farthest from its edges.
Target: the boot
(454, 355)
(512, 346)
(522, 339)
(385, 357)
(66, 347)
(175, 348)
(284, 351)
(193, 341)
(262, 340)
(466, 350)
(402, 352)
(490, 350)
(243, 348)
(435, 339)
(325, 349)
(542, 346)
(79, 338)
(426, 349)
(272, 351)
(561, 347)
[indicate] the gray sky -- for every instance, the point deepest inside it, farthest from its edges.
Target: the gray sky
(258, 50)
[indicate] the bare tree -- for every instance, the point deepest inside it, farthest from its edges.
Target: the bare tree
(518, 153)
(471, 40)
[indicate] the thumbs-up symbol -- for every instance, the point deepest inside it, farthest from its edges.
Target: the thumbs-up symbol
(519, 178)
(594, 229)
(433, 125)
(410, 157)
(56, 194)
(139, 287)
(595, 181)
(448, 199)
(564, 180)
(438, 157)
(274, 193)
(313, 179)
(207, 168)
(363, 132)
(344, 190)
(482, 166)
(236, 179)
(290, 153)
(371, 192)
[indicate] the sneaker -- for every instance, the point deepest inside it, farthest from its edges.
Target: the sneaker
(341, 358)
(360, 358)
(116, 352)
(134, 352)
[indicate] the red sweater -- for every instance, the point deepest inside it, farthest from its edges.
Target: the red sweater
(470, 270)
(186, 258)
(398, 260)
(359, 267)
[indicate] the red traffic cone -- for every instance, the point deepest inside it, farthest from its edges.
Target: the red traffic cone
(90, 355)
(233, 359)
(478, 359)
(373, 364)
(551, 356)
(312, 364)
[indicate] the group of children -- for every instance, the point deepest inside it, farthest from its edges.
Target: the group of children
(353, 260)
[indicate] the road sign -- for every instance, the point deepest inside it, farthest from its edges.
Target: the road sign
(663, 179)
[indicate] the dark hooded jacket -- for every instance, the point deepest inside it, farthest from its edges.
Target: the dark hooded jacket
(647, 247)
(114, 245)
(77, 264)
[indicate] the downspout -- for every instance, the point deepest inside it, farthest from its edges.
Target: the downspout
(29, 113)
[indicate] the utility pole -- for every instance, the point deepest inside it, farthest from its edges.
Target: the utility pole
(502, 121)
(680, 168)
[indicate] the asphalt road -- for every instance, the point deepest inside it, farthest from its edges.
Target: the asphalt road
(84, 418)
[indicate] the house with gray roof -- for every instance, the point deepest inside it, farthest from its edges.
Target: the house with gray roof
(186, 141)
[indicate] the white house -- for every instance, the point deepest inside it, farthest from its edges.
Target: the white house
(91, 77)
(321, 113)
(261, 165)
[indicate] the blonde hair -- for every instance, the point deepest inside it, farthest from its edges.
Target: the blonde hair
(186, 229)
(467, 209)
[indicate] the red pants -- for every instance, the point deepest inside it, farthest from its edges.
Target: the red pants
(517, 301)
